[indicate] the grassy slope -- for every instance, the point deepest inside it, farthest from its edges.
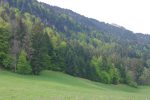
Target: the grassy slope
(58, 86)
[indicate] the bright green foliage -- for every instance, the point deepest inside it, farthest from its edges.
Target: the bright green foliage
(4, 24)
(97, 63)
(115, 76)
(105, 77)
(23, 66)
(106, 72)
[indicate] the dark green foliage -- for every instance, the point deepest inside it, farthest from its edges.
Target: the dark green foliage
(130, 79)
(5, 59)
(40, 58)
(47, 52)
(38, 53)
(145, 77)
(23, 66)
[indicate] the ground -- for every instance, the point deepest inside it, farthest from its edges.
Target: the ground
(52, 85)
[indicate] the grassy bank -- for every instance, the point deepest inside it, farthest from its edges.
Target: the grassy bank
(58, 86)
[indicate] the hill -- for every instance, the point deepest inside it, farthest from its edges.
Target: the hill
(52, 85)
(35, 36)
(61, 18)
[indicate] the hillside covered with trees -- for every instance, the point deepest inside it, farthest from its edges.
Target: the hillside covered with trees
(35, 36)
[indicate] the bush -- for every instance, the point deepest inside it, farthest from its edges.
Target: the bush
(133, 84)
(105, 77)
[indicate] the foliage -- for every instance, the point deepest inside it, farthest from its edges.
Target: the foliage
(106, 72)
(23, 66)
(40, 57)
(130, 79)
(59, 39)
(5, 59)
(145, 77)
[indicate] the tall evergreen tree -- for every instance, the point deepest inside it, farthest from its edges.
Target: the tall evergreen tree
(23, 66)
(40, 55)
(5, 59)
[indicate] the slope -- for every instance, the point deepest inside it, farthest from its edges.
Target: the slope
(61, 18)
(59, 39)
(58, 86)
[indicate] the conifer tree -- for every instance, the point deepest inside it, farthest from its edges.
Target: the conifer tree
(23, 66)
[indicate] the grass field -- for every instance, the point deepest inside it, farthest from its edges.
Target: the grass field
(58, 86)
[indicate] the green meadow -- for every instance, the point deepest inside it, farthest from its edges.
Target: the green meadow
(52, 85)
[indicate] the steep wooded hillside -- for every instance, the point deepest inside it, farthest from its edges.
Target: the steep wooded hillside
(36, 36)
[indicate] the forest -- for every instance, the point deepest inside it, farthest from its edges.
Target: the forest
(35, 36)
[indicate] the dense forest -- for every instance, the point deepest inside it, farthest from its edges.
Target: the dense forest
(35, 36)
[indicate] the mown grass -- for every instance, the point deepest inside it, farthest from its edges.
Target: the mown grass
(58, 86)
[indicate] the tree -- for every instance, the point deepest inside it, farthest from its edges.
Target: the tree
(116, 76)
(37, 53)
(145, 77)
(5, 59)
(40, 54)
(130, 80)
(101, 69)
(23, 66)
(96, 64)
(148, 63)
(105, 70)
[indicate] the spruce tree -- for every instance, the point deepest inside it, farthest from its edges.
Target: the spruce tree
(5, 59)
(23, 66)
(40, 58)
